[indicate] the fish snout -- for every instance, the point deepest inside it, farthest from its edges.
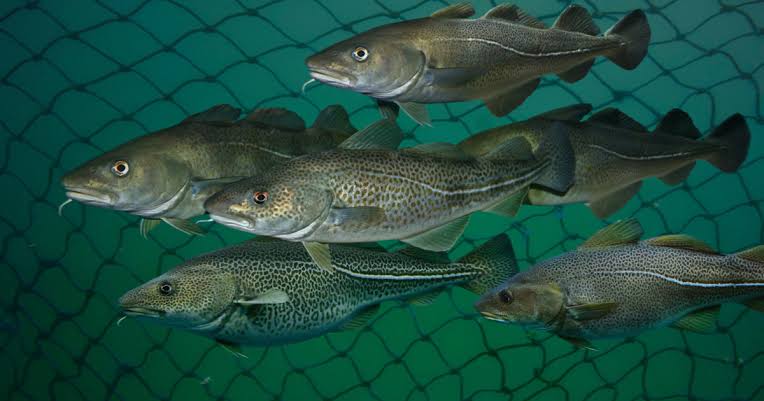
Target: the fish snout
(131, 305)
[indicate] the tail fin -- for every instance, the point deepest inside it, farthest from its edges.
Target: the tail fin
(755, 254)
(733, 138)
(555, 146)
(497, 258)
(634, 32)
(334, 118)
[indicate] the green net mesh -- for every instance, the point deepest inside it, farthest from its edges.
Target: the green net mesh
(80, 77)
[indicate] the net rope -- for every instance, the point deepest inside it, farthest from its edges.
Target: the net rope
(78, 78)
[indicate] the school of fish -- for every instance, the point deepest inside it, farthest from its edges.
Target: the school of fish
(319, 197)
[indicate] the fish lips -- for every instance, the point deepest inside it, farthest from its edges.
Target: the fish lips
(89, 197)
(138, 311)
(237, 223)
(331, 77)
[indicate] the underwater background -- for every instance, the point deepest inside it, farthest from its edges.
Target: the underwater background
(80, 77)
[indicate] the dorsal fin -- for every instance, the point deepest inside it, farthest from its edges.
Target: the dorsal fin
(616, 118)
(683, 242)
(459, 10)
(334, 118)
(278, 117)
(755, 254)
(513, 13)
(439, 149)
(220, 113)
(573, 112)
(619, 233)
(383, 134)
(576, 19)
(677, 122)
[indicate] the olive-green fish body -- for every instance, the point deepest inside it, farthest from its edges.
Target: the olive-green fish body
(270, 292)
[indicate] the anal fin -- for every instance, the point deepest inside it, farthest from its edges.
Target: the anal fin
(756, 304)
(676, 177)
(502, 104)
(614, 201)
(578, 72)
(441, 238)
(424, 299)
(509, 207)
(361, 318)
(702, 321)
(417, 111)
(188, 227)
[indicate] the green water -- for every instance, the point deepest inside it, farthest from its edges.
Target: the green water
(80, 77)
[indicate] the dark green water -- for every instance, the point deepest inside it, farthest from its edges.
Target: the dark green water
(80, 77)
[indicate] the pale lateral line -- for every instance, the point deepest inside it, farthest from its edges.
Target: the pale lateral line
(688, 283)
(410, 277)
(626, 157)
(458, 192)
(252, 145)
(519, 52)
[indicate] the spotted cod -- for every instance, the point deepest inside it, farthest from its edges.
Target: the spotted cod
(614, 285)
(168, 175)
(615, 153)
(367, 191)
(498, 58)
(266, 292)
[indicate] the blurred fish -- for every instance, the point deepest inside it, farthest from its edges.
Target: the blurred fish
(366, 191)
(498, 58)
(614, 285)
(167, 175)
(614, 153)
(266, 292)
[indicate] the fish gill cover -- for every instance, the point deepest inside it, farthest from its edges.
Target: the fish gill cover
(79, 78)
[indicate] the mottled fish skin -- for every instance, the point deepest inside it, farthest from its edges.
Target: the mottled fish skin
(651, 286)
(215, 294)
(611, 158)
(173, 171)
(452, 58)
(417, 192)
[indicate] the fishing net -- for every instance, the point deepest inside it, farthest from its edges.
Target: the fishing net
(80, 77)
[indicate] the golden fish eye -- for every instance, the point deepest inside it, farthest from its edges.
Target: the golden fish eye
(165, 288)
(120, 168)
(260, 197)
(505, 296)
(360, 54)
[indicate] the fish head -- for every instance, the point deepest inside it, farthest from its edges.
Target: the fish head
(375, 63)
(189, 297)
(277, 208)
(130, 178)
(524, 303)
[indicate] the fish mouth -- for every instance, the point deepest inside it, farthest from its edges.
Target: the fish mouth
(493, 316)
(331, 77)
(142, 312)
(239, 224)
(89, 197)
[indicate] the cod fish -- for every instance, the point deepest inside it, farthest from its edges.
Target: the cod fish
(169, 174)
(614, 153)
(614, 285)
(270, 292)
(498, 58)
(366, 191)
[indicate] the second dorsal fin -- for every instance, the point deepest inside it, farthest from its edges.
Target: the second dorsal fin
(459, 10)
(619, 233)
(279, 118)
(683, 242)
(221, 113)
(616, 118)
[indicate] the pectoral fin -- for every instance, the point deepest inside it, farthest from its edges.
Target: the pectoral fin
(148, 225)
(509, 207)
(502, 104)
(388, 110)
(619, 233)
(188, 227)
(702, 321)
(517, 148)
(362, 216)
(320, 254)
(233, 348)
(614, 201)
(591, 311)
(579, 343)
(361, 318)
(272, 296)
(417, 112)
(441, 238)
(451, 76)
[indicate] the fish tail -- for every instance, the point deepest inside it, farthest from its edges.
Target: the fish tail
(733, 138)
(555, 146)
(633, 31)
(497, 259)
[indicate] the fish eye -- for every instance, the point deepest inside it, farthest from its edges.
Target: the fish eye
(120, 168)
(360, 54)
(260, 197)
(165, 288)
(505, 296)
